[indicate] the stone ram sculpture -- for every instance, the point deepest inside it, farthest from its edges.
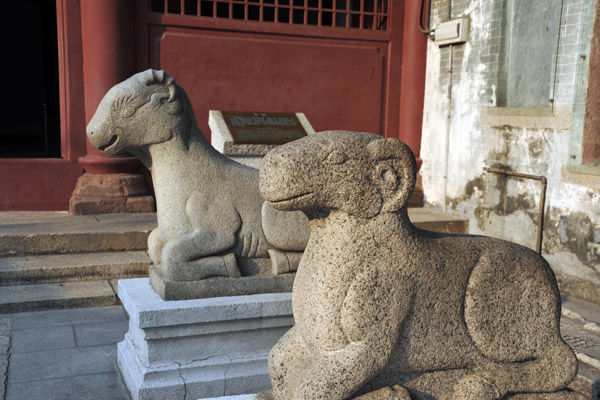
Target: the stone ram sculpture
(208, 206)
(384, 310)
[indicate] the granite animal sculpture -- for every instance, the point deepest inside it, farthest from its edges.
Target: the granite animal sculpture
(208, 206)
(384, 310)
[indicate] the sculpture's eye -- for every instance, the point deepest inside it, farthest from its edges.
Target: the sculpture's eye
(128, 112)
(336, 157)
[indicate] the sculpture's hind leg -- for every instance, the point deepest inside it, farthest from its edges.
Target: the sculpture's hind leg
(395, 392)
(560, 395)
(538, 376)
(512, 314)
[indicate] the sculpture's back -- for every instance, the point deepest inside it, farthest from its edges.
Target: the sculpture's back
(388, 311)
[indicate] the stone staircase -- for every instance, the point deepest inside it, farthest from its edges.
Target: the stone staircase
(579, 326)
(52, 260)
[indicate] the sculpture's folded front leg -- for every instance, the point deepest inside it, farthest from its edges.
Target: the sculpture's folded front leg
(335, 375)
(155, 246)
(336, 371)
(190, 257)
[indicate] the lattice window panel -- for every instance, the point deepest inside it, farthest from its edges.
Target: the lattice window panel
(358, 14)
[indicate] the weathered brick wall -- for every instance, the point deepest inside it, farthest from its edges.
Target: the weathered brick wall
(463, 132)
(573, 22)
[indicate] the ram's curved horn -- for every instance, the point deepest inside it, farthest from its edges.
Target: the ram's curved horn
(400, 160)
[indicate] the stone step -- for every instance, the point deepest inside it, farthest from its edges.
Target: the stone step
(23, 233)
(580, 327)
(36, 233)
(434, 220)
(46, 296)
(18, 270)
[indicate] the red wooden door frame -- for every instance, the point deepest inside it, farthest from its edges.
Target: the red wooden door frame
(47, 183)
(393, 38)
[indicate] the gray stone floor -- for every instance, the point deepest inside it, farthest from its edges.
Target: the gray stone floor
(72, 354)
(65, 354)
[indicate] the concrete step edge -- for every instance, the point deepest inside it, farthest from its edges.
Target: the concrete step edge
(434, 220)
(591, 361)
(587, 381)
(53, 237)
(72, 267)
(47, 296)
(66, 243)
(586, 324)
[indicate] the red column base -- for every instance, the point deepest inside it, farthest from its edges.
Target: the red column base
(105, 165)
(111, 193)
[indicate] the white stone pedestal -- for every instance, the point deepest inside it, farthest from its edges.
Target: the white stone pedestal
(202, 348)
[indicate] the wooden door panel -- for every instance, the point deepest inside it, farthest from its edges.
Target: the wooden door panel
(339, 84)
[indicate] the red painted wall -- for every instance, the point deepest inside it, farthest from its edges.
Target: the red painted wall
(372, 84)
(341, 78)
(47, 184)
(337, 86)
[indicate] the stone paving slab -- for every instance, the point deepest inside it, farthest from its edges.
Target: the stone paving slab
(73, 316)
(40, 365)
(99, 333)
(38, 339)
(105, 386)
(5, 340)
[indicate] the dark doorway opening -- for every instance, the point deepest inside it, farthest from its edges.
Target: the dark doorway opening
(30, 123)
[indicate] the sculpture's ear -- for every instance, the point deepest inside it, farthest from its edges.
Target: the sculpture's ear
(394, 173)
(152, 76)
(169, 101)
(159, 76)
(165, 102)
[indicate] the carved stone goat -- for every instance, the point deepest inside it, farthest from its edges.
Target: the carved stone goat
(384, 310)
(208, 206)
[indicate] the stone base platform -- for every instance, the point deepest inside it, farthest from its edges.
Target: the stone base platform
(219, 287)
(202, 348)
